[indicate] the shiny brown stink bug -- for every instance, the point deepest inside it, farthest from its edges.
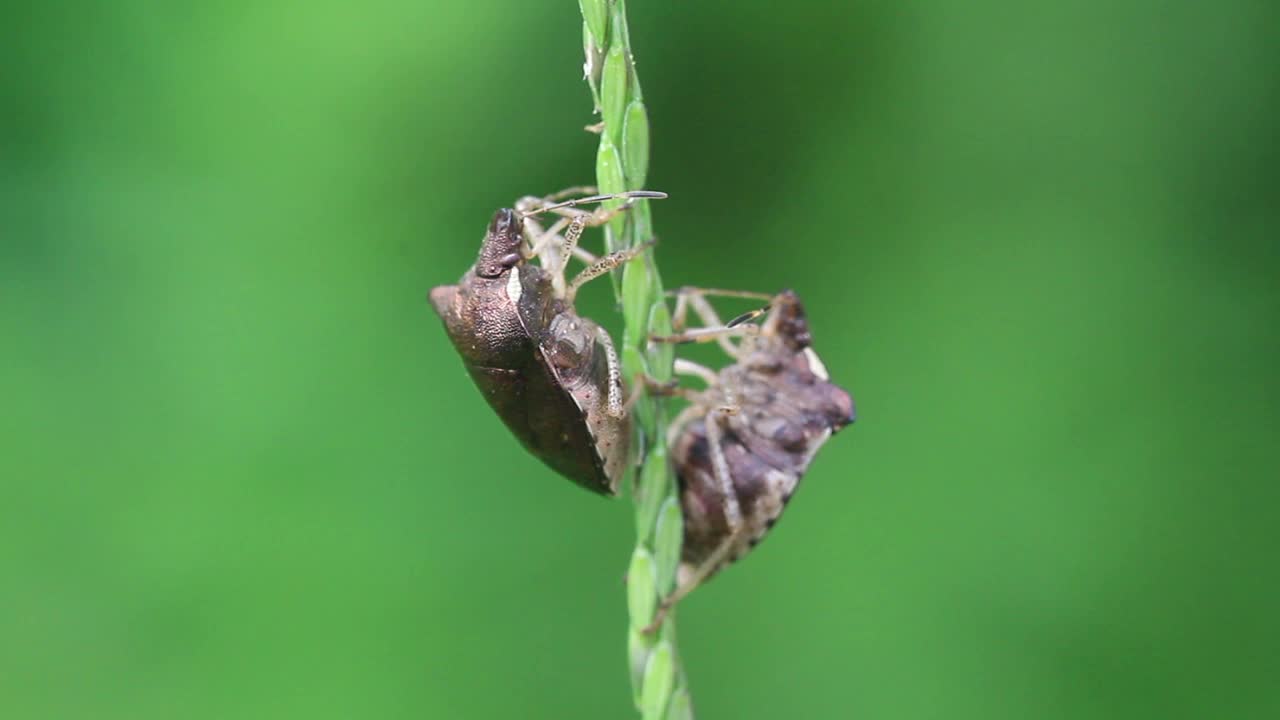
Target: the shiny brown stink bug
(551, 375)
(743, 443)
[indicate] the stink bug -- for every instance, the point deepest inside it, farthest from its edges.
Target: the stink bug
(551, 375)
(742, 445)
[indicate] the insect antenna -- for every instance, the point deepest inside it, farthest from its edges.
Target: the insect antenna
(720, 292)
(748, 316)
(573, 202)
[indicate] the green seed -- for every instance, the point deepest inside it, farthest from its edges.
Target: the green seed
(635, 143)
(595, 13)
(613, 92)
(639, 647)
(652, 493)
(592, 65)
(659, 678)
(661, 355)
(636, 303)
(669, 533)
(681, 707)
(633, 364)
(610, 179)
(642, 596)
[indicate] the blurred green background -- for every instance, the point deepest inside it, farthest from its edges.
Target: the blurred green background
(245, 476)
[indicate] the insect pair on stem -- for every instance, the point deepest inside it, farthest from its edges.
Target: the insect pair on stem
(740, 447)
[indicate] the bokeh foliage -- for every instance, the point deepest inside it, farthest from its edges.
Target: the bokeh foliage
(244, 475)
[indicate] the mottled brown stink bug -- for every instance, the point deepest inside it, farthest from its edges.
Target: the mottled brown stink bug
(551, 375)
(742, 445)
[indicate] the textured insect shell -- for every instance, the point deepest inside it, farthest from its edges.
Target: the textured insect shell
(550, 393)
(788, 411)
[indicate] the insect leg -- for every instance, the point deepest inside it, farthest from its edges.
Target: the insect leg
(615, 406)
(571, 237)
(658, 388)
(732, 518)
(604, 265)
(713, 328)
(702, 372)
(586, 257)
(542, 239)
(720, 292)
(687, 297)
(698, 405)
(680, 314)
(691, 413)
(709, 334)
(569, 192)
(667, 388)
(579, 221)
(729, 406)
(529, 204)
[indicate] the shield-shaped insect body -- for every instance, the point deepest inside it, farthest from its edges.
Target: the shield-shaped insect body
(742, 446)
(551, 375)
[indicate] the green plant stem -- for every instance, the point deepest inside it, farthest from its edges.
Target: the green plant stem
(622, 161)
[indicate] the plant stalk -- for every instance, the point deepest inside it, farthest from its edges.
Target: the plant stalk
(658, 682)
